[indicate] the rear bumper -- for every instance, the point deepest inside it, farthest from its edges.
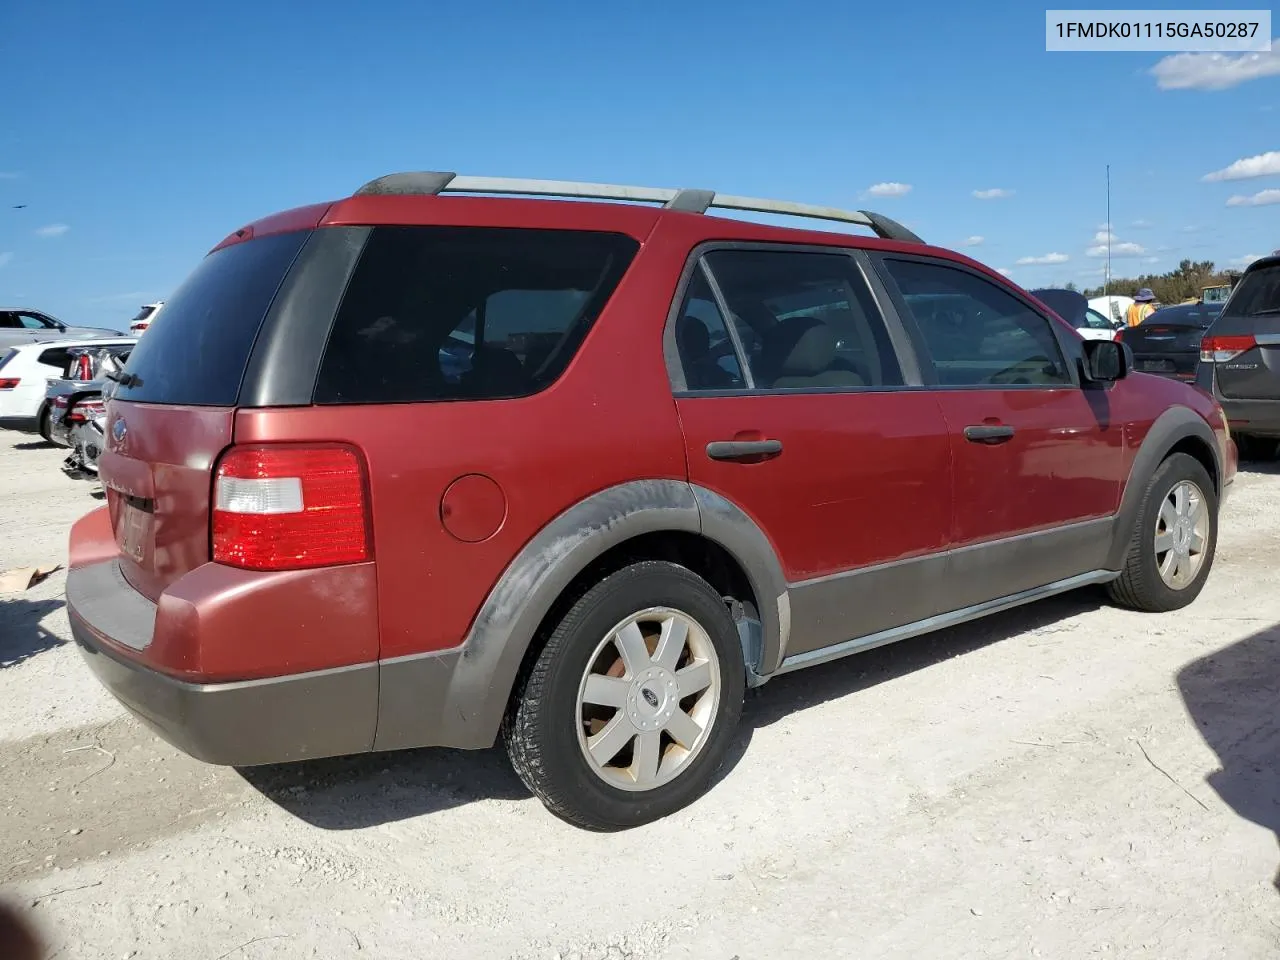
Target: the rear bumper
(304, 716)
(1258, 418)
(241, 668)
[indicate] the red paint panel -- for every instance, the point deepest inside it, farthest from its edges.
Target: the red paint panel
(863, 478)
(91, 540)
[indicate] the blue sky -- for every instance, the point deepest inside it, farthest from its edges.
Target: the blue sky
(139, 134)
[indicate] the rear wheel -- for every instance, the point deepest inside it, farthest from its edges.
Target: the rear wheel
(43, 424)
(630, 707)
(1173, 543)
(1256, 448)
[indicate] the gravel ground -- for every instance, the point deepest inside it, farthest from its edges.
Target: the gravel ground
(1067, 780)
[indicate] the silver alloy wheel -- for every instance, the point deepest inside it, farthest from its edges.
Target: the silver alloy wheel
(1182, 534)
(648, 700)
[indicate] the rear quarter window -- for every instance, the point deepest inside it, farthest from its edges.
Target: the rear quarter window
(9, 355)
(1257, 295)
(198, 355)
(467, 313)
(56, 357)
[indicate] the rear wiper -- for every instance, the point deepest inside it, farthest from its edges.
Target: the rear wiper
(125, 379)
(1264, 313)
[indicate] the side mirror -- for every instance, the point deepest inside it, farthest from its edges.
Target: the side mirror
(1106, 361)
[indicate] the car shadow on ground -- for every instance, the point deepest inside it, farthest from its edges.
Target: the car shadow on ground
(1234, 698)
(349, 793)
(35, 445)
(21, 636)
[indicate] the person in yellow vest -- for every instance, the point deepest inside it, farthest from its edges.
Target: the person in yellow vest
(1142, 307)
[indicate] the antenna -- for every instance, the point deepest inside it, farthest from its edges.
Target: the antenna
(1106, 280)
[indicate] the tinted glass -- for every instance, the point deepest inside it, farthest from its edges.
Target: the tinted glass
(32, 322)
(1093, 320)
(707, 353)
(975, 332)
(143, 314)
(453, 313)
(1070, 305)
(199, 354)
(806, 320)
(13, 352)
(57, 357)
(1258, 294)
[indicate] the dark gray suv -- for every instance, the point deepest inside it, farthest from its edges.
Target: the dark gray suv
(1240, 359)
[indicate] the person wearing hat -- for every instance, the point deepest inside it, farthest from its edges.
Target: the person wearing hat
(1143, 307)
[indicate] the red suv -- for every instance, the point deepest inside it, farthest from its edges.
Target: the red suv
(414, 469)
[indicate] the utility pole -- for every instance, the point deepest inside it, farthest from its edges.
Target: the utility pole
(1106, 280)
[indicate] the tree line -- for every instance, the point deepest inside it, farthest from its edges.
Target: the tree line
(1175, 286)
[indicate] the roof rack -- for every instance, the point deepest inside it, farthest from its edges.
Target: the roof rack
(689, 201)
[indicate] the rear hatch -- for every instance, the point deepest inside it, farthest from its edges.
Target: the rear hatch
(1244, 344)
(172, 412)
(1168, 342)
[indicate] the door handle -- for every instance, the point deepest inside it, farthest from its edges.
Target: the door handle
(742, 449)
(988, 433)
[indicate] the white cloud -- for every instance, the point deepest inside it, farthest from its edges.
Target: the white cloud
(1126, 249)
(1263, 165)
(890, 189)
(52, 230)
(995, 193)
(1215, 71)
(974, 241)
(5, 258)
(1102, 236)
(1150, 259)
(1247, 259)
(1191, 228)
(1047, 259)
(1004, 271)
(1260, 199)
(1140, 224)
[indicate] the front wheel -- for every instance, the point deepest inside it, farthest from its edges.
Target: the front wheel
(630, 707)
(1173, 543)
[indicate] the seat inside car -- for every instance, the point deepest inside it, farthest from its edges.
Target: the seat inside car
(805, 352)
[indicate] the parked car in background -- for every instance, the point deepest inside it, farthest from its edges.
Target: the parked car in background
(1074, 308)
(25, 372)
(326, 534)
(1168, 341)
(1114, 307)
(1240, 359)
(20, 326)
(146, 316)
(74, 396)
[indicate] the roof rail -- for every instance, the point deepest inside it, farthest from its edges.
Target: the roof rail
(691, 201)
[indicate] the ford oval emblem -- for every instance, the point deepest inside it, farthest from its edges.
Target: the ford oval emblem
(118, 430)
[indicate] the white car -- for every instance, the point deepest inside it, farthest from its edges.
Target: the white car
(146, 316)
(24, 374)
(1077, 311)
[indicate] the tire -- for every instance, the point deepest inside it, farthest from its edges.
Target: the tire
(42, 423)
(1256, 448)
(1141, 586)
(547, 728)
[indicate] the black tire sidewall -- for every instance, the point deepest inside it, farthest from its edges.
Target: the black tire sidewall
(1175, 469)
(615, 598)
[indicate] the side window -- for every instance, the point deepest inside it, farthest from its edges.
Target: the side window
(9, 321)
(806, 320)
(1096, 321)
(707, 353)
(56, 357)
(457, 313)
(31, 322)
(976, 333)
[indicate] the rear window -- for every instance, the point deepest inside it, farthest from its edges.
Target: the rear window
(12, 352)
(143, 314)
(1258, 294)
(454, 313)
(199, 354)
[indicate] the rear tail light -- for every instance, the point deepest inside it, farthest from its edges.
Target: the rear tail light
(1119, 337)
(9, 383)
(85, 410)
(1223, 349)
(288, 507)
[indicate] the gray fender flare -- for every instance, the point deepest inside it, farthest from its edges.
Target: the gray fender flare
(471, 684)
(1170, 428)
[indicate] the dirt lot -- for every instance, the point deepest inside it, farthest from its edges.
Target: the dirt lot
(1063, 781)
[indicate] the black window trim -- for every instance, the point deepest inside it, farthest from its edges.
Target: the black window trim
(1070, 348)
(901, 344)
